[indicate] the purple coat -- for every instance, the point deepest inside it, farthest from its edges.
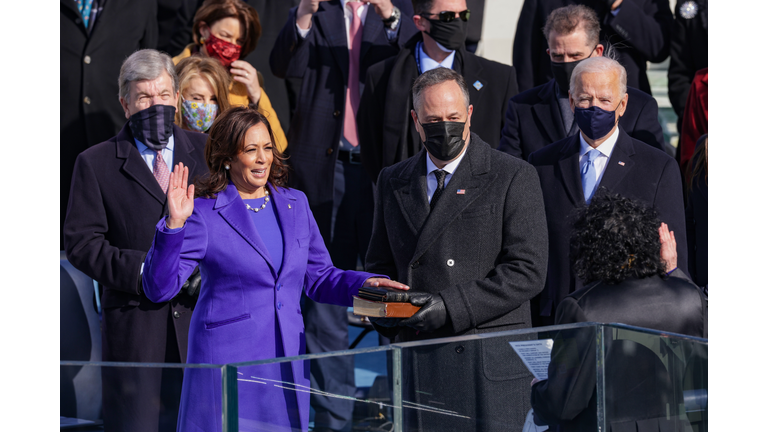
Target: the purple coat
(246, 311)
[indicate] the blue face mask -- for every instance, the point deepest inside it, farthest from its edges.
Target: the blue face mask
(198, 116)
(594, 121)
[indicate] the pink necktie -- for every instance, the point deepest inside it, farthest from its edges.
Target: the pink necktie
(160, 170)
(353, 84)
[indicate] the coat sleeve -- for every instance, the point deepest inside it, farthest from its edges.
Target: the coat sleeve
(369, 120)
(571, 372)
(521, 264)
(681, 65)
(645, 28)
(323, 282)
(669, 204)
(290, 55)
(529, 45)
(510, 134)
(151, 31)
(85, 230)
(173, 257)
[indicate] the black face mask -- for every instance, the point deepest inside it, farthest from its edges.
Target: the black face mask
(451, 35)
(563, 71)
(445, 140)
(153, 126)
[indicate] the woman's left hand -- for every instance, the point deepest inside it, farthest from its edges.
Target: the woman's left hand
(384, 282)
(243, 72)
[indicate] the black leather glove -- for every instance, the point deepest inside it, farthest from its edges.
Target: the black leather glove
(192, 284)
(432, 314)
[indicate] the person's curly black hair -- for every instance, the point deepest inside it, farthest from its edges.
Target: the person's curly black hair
(615, 238)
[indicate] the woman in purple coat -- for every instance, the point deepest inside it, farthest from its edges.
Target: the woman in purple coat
(258, 247)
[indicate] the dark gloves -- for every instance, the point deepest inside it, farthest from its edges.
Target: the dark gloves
(192, 284)
(385, 322)
(432, 314)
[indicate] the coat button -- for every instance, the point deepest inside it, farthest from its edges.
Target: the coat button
(87, 59)
(329, 151)
(278, 286)
(87, 100)
(450, 263)
(279, 305)
(336, 113)
(459, 349)
(176, 314)
(415, 265)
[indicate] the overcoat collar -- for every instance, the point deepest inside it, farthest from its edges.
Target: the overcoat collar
(232, 209)
(135, 167)
(548, 112)
(410, 189)
(620, 163)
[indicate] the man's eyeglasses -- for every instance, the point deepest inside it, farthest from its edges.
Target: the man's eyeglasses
(448, 16)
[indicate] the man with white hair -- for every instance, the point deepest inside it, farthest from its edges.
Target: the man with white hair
(118, 194)
(602, 156)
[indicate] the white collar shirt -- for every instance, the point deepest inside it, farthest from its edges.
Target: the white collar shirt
(605, 149)
(149, 155)
(427, 64)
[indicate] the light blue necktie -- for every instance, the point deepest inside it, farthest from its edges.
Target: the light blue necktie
(589, 174)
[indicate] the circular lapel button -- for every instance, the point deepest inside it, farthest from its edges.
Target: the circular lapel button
(450, 263)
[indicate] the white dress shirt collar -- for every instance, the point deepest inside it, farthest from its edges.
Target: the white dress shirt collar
(606, 148)
(149, 155)
(427, 64)
(449, 170)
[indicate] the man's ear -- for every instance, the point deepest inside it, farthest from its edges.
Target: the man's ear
(419, 129)
(421, 23)
(124, 104)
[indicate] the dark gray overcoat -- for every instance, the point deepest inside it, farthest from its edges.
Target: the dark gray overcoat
(484, 250)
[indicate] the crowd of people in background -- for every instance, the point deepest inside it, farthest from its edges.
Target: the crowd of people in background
(340, 123)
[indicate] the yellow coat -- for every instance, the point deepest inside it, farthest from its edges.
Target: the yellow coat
(238, 96)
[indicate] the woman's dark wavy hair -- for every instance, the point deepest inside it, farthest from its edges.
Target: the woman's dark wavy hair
(226, 139)
(615, 238)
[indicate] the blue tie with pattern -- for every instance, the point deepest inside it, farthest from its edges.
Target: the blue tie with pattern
(84, 6)
(589, 174)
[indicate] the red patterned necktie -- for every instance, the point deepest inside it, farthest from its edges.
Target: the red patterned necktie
(160, 170)
(353, 83)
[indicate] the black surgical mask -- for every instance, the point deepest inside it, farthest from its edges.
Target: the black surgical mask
(153, 126)
(563, 71)
(445, 139)
(451, 35)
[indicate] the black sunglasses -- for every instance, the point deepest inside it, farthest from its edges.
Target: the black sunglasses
(448, 16)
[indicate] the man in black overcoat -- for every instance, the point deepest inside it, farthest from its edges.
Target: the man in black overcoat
(117, 199)
(542, 115)
(616, 162)
(637, 29)
(90, 60)
(387, 134)
(464, 226)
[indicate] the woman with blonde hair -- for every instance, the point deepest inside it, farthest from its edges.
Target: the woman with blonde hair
(204, 87)
(228, 30)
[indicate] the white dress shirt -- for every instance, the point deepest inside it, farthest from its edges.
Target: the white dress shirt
(149, 155)
(427, 64)
(605, 149)
(449, 170)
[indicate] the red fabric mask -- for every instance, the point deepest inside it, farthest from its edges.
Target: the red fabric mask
(222, 50)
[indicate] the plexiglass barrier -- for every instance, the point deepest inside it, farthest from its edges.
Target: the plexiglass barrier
(602, 377)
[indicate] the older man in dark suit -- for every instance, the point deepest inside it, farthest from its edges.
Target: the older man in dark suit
(387, 134)
(118, 195)
(601, 155)
(542, 115)
(464, 225)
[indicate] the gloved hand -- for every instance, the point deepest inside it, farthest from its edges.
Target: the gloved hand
(192, 284)
(432, 314)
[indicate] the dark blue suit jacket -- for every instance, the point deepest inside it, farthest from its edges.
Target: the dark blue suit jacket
(322, 61)
(533, 120)
(635, 170)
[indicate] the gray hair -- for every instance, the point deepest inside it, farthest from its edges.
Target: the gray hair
(146, 64)
(598, 65)
(434, 77)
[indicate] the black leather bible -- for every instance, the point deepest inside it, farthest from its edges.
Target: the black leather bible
(383, 294)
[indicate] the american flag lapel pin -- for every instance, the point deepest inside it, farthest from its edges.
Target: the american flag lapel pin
(621, 163)
(461, 192)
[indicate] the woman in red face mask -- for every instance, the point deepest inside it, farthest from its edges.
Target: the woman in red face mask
(228, 30)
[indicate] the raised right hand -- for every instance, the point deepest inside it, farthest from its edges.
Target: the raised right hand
(305, 11)
(181, 200)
